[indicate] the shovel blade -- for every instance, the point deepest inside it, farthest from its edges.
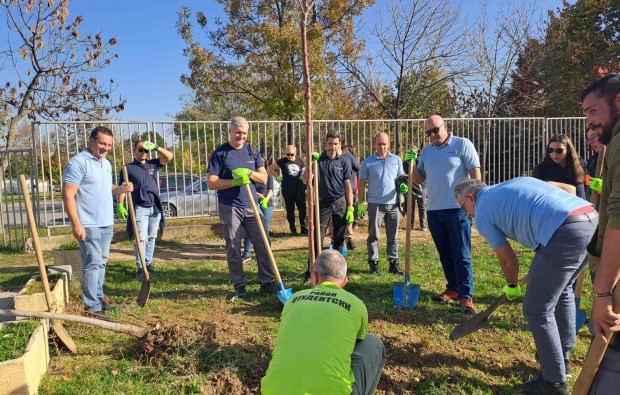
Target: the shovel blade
(64, 337)
(284, 294)
(580, 316)
(469, 326)
(145, 292)
(406, 295)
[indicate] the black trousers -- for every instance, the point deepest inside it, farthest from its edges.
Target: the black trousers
(334, 210)
(295, 196)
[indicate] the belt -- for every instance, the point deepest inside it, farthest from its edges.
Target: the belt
(580, 217)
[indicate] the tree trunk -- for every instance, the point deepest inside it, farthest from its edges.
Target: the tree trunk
(305, 9)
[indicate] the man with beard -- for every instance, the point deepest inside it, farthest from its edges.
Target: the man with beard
(293, 189)
(601, 106)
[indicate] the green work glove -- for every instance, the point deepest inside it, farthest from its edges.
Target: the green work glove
(241, 172)
(121, 211)
(349, 216)
(243, 180)
(512, 293)
(316, 156)
(149, 146)
(262, 202)
(403, 188)
(596, 184)
(279, 178)
(410, 156)
(361, 210)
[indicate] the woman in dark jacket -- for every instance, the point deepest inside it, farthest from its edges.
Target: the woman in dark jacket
(561, 166)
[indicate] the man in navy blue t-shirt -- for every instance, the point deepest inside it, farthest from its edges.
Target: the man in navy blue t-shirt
(233, 165)
(142, 173)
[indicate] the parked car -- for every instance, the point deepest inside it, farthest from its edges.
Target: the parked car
(175, 181)
(197, 199)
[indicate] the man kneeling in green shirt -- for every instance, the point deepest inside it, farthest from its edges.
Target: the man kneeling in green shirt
(322, 346)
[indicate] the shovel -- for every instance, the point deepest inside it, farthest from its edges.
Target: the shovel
(479, 320)
(284, 293)
(145, 288)
(57, 327)
(406, 295)
(317, 212)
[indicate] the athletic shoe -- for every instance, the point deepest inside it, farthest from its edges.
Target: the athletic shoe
(304, 231)
(423, 229)
(350, 244)
(240, 294)
(245, 257)
(374, 267)
(395, 267)
(151, 269)
(269, 288)
(108, 307)
(540, 386)
(140, 275)
(447, 296)
(467, 303)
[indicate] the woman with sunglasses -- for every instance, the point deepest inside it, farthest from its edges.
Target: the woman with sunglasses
(562, 167)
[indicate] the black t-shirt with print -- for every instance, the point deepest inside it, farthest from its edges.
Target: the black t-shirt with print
(291, 170)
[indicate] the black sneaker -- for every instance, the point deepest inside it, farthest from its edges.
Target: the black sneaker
(540, 386)
(304, 231)
(395, 267)
(269, 288)
(108, 307)
(140, 275)
(245, 257)
(307, 278)
(294, 231)
(350, 244)
(374, 267)
(240, 294)
(151, 269)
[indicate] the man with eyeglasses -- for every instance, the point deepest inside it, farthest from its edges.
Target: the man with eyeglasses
(142, 173)
(442, 164)
(293, 189)
(557, 226)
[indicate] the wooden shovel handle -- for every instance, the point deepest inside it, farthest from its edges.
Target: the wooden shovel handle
(262, 232)
(136, 232)
(317, 222)
(37, 245)
(408, 222)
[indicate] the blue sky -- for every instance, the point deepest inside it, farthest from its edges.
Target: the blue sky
(151, 58)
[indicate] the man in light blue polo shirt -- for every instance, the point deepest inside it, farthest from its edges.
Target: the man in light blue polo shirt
(380, 171)
(442, 164)
(558, 226)
(87, 191)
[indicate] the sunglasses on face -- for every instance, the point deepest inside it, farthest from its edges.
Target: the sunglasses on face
(556, 150)
(433, 130)
(289, 154)
(142, 150)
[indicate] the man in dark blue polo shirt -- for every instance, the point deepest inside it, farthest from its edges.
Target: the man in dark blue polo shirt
(335, 191)
(233, 165)
(142, 173)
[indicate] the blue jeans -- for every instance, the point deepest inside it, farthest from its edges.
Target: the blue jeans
(148, 224)
(94, 252)
(451, 231)
(549, 304)
(247, 244)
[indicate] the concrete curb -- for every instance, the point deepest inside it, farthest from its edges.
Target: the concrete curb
(37, 302)
(23, 375)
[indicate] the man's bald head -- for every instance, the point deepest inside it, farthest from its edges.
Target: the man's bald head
(382, 144)
(436, 129)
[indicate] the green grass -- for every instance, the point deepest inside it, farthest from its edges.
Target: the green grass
(226, 348)
(14, 338)
(37, 285)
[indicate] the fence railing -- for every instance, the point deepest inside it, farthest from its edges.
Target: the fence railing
(13, 218)
(508, 147)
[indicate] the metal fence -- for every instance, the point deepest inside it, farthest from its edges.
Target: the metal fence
(13, 218)
(508, 148)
